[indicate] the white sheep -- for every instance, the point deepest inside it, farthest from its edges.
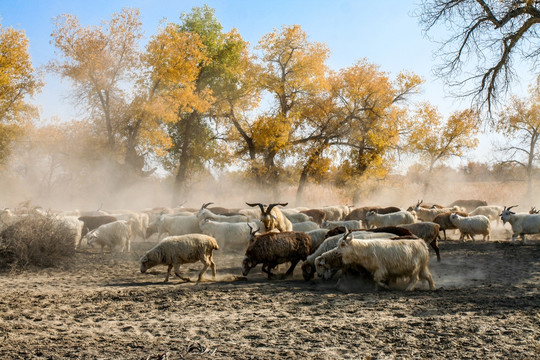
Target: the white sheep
(392, 219)
(428, 231)
(472, 225)
(428, 214)
(521, 223)
(297, 217)
(308, 266)
(492, 212)
(174, 251)
(328, 264)
(204, 213)
(335, 212)
(348, 224)
(230, 234)
(317, 237)
(117, 233)
(305, 226)
(388, 260)
(74, 225)
(174, 225)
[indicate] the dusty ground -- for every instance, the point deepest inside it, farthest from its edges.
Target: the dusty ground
(486, 306)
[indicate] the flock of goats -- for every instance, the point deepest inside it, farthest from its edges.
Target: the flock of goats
(383, 244)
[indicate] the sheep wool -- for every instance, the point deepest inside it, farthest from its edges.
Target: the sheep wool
(174, 251)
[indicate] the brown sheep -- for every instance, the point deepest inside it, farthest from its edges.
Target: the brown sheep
(317, 215)
(272, 249)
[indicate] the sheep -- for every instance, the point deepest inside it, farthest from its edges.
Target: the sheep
(328, 264)
(317, 237)
(174, 225)
(93, 222)
(204, 213)
(272, 249)
(316, 215)
(490, 211)
(398, 231)
(348, 224)
(174, 251)
(305, 226)
(272, 217)
(297, 217)
(469, 205)
(428, 231)
(336, 212)
(308, 266)
(360, 213)
(229, 234)
(74, 225)
(428, 214)
(444, 221)
(521, 223)
(117, 233)
(392, 219)
(388, 259)
(471, 225)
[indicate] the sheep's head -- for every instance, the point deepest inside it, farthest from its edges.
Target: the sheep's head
(345, 240)
(91, 238)
(308, 271)
(252, 234)
(247, 264)
(144, 264)
(203, 211)
(453, 217)
(506, 213)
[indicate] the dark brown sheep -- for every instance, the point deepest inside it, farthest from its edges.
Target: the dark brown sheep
(272, 249)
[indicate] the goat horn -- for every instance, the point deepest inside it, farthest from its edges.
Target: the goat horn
(271, 206)
(261, 206)
(205, 205)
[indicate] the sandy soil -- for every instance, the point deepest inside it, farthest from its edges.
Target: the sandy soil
(486, 306)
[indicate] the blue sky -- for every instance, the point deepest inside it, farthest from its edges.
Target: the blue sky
(384, 32)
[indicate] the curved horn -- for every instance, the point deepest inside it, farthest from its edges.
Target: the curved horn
(251, 232)
(271, 206)
(511, 207)
(205, 205)
(261, 206)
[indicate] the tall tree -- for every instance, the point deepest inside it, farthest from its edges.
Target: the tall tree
(18, 81)
(435, 140)
(372, 104)
(519, 122)
(102, 62)
(293, 71)
(192, 134)
(491, 34)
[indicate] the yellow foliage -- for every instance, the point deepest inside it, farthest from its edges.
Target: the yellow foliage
(435, 140)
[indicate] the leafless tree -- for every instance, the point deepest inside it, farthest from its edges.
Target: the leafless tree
(485, 38)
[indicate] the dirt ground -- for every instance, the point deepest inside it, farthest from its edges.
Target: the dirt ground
(486, 306)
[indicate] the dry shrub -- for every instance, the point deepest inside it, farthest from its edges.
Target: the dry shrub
(36, 240)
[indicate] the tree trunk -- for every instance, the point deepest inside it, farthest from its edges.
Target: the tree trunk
(180, 181)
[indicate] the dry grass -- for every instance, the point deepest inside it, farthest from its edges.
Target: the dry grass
(36, 240)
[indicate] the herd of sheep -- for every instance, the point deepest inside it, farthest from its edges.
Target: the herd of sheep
(386, 244)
